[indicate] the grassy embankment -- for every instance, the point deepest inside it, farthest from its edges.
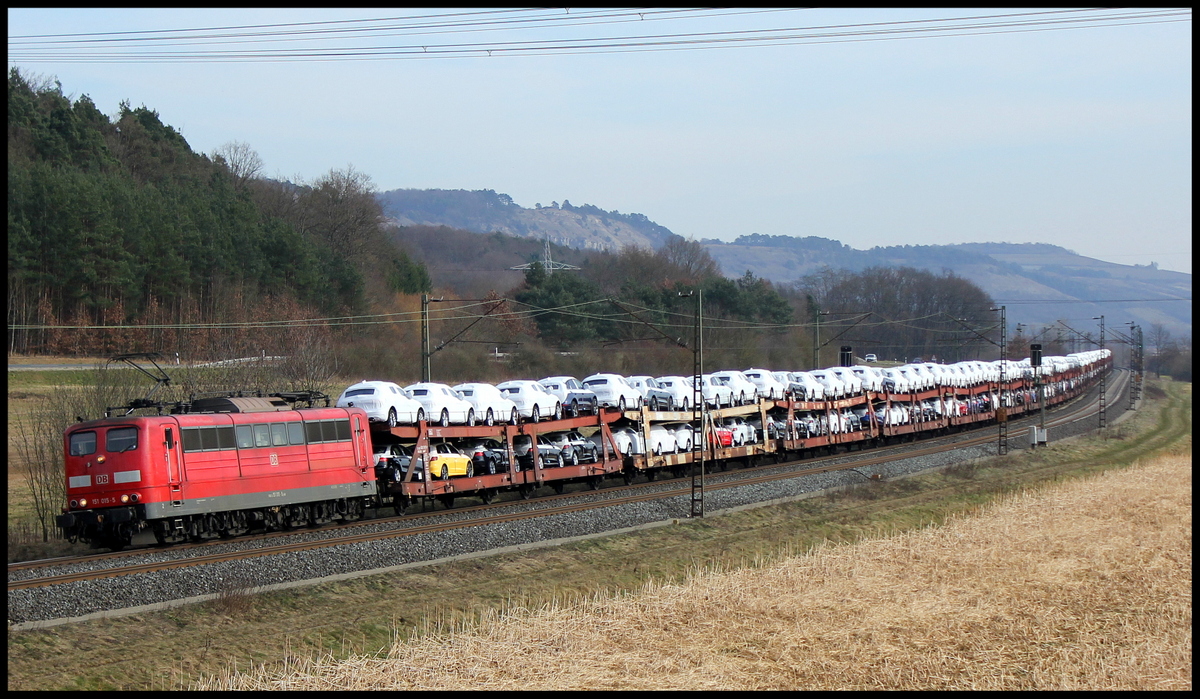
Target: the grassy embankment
(366, 615)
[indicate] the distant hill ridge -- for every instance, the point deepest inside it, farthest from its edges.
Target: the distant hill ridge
(583, 227)
(1044, 282)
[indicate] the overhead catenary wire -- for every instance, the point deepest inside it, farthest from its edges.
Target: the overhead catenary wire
(28, 48)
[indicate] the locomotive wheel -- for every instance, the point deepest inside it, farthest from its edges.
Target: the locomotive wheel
(400, 504)
(121, 536)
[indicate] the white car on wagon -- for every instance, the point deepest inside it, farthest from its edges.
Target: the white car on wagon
(768, 386)
(680, 389)
(384, 401)
(744, 390)
(613, 390)
(491, 406)
(442, 404)
(533, 401)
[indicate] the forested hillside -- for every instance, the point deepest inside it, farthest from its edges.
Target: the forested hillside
(118, 222)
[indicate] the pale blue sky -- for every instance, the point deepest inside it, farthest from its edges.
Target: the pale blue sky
(1080, 137)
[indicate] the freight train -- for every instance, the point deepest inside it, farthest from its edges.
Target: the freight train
(220, 467)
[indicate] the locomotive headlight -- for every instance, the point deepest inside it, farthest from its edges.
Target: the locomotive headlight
(83, 502)
(124, 499)
(100, 459)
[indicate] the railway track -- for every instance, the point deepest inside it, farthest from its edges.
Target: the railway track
(491, 514)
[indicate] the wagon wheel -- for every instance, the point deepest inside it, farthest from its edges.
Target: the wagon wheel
(488, 496)
(557, 486)
(447, 500)
(526, 490)
(594, 482)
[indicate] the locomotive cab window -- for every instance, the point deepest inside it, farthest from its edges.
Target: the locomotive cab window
(83, 443)
(245, 436)
(327, 431)
(208, 438)
(120, 439)
(279, 436)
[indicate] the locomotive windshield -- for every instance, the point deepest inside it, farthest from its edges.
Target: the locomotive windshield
(121, 439)
(83, 443)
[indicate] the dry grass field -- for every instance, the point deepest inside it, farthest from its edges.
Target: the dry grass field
(1084, 585)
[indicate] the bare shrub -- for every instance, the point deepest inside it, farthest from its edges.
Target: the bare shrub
(235, 596)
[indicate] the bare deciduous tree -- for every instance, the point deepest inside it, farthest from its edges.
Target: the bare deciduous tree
(243, 162)
(341, 209)
(690, 258)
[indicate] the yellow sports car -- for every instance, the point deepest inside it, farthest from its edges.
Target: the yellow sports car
(446, 461)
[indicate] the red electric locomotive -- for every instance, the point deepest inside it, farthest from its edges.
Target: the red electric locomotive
(218, 467)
